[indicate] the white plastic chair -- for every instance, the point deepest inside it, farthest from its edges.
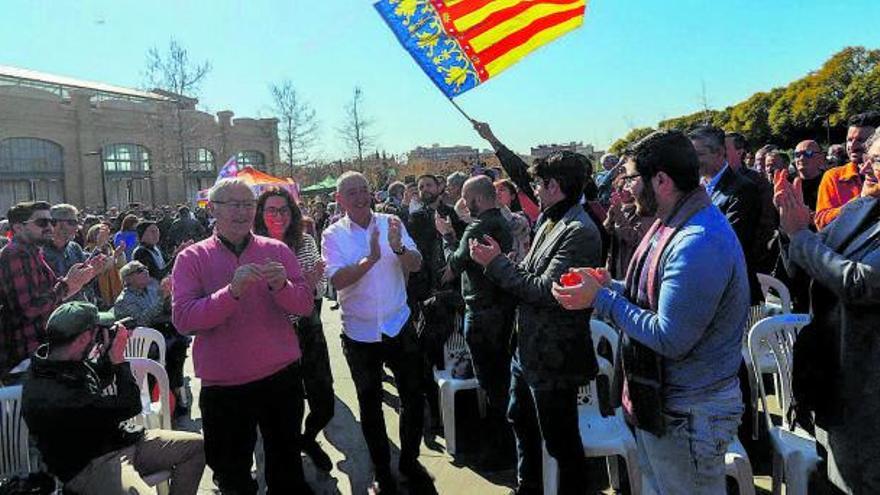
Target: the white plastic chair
(607, 437)
(14, 445)
(794, 456)
(738, 467)
(766, 361)
(775, 285)
(153, 415)
(449, 386)
(141, 339)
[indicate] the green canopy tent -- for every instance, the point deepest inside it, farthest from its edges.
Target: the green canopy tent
(325, 186)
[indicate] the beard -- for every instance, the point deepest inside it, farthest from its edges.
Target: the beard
(646, 200)
(428, 198)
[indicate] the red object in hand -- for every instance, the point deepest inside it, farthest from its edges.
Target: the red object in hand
(571, 279)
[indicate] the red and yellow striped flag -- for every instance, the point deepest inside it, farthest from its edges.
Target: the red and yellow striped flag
(462, 43)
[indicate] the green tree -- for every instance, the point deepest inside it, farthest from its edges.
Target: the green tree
(688, 122)
(862, 95)
(750, 117)
(634, 135)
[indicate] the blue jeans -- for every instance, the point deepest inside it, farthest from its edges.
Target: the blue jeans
(689, 457)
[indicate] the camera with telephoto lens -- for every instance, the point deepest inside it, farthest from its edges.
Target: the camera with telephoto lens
(128, 323)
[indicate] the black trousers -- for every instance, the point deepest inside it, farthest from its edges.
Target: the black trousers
(401, 354)
(551, 415)
(487, 333)
(230, 417)
(317, 377)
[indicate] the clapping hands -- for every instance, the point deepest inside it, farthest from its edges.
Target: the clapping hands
(581, 295)
(794, 215)
(272, 272)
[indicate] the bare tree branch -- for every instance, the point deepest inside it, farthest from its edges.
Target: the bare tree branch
(174, 72)
(299, 126)
(355, 130)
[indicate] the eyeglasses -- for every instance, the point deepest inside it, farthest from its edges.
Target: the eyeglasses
(538, 182)
(805, 154)
(275, 212)
(237, 205)
(43, 222)
(628, 180)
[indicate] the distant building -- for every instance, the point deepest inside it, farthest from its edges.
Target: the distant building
(437, 153)
(544, 150)
(96, 145)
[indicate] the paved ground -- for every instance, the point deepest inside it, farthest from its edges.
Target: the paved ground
(344, 443)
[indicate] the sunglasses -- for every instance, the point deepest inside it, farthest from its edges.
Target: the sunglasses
(43, 222)
(805, 154)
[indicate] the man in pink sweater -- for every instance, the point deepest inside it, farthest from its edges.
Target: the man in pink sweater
(234, 292)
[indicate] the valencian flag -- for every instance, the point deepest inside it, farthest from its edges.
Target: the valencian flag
(462, 43)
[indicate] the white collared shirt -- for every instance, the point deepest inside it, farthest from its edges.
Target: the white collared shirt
(710, 186)
(375, 304)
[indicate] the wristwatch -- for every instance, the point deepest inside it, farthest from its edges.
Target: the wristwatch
(399, 252)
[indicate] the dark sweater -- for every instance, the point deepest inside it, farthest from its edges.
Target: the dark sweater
(73, 422)
(476, 289)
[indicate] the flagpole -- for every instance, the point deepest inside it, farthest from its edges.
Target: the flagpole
(472, 121)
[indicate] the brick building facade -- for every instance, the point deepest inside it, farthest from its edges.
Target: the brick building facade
(96, 145)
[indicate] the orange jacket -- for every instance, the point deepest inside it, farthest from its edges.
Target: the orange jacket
(839, 186)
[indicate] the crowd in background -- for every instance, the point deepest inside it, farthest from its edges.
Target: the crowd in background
(678, 218)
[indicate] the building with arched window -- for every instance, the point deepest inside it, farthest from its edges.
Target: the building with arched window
(96, 145)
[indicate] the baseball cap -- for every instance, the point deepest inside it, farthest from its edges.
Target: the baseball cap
(131, 267)
(71, 319)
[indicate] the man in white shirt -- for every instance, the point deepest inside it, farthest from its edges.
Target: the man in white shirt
(368, 256)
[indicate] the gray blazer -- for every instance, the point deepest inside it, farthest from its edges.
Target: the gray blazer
(553, 345)
(845, 292)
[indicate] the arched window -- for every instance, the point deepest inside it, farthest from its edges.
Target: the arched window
(31, 169)
(30, 156)
(200, 160)
(251, 158)
(126, 158)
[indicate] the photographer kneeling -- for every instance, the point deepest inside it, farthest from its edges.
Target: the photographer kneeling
(81, 433)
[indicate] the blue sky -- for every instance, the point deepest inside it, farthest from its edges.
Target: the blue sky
(634, 62)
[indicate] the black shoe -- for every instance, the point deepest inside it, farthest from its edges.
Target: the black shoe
(415, 472)
(319, 458)
(383, 484)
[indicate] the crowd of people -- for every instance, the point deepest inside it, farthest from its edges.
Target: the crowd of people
(664, 243)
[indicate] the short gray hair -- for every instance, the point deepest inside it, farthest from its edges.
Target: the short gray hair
(349, 175)
(226, 184)
(456, 179)
(64, 211)
(873, 139)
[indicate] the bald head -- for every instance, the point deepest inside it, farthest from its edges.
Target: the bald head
(479, 194)
(808, 159)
